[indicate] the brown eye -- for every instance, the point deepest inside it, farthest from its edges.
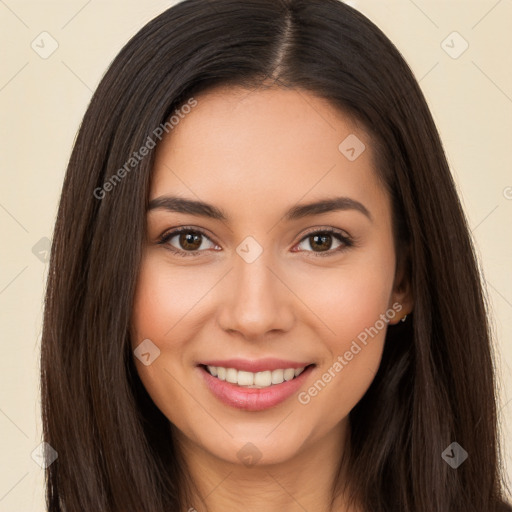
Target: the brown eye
(186, 241)
(189, 241)
(321, 242)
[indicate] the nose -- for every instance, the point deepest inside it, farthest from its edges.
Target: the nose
(256, 300)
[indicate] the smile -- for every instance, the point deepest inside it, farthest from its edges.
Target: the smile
(253, 391)
(258, 380)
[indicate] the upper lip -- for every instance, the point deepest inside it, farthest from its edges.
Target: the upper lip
(255, 365)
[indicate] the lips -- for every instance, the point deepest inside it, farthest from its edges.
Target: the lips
(253, 399)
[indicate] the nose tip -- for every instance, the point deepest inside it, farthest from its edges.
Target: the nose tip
(257, 302)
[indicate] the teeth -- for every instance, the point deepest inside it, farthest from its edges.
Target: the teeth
(258, 380)
(231, 375)
(289, 374)
(277, 376)
(263, 379)
(244, 378)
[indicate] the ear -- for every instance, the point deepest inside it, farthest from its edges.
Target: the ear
(402, 288)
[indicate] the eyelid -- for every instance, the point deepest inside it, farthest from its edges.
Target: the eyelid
(325, 229)
(174, 231)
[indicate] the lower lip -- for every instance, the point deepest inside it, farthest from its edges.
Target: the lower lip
(252, 399)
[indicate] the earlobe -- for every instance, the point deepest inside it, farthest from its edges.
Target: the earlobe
(405, 300)
(402, 294)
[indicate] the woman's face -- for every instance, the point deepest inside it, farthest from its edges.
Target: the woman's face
(261, 287)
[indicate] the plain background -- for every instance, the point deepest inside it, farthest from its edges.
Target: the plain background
(42, 101)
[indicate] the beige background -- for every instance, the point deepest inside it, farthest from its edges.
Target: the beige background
(43, 100)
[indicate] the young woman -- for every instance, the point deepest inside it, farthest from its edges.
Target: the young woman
(263, 292)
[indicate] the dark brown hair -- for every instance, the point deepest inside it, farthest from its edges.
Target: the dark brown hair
(436, 383)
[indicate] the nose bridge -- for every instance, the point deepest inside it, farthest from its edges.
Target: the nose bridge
(257, 301)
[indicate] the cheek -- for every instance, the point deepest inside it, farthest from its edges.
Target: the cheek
(164, 301)
(153, 302)
(350, 298)
(353, 306)
(354, 355)
(352, 312)
(159, 314)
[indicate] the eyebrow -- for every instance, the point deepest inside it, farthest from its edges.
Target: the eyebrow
(202, 209)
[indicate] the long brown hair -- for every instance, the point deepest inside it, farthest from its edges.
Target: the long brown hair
(435, 385)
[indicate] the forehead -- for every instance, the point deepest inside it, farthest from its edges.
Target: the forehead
(260, 148)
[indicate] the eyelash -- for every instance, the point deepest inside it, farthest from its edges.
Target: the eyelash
(346, 240)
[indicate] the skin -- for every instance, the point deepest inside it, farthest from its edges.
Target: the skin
(255, 154)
